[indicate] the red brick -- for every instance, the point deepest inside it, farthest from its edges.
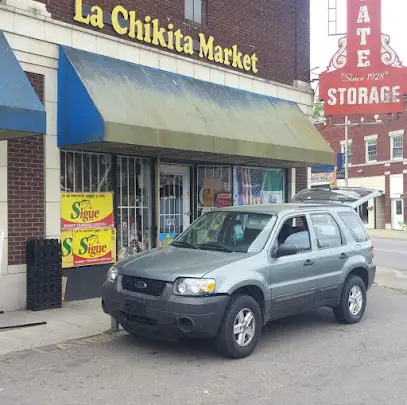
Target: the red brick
(25, 185)
(278, 31)
(301, 179)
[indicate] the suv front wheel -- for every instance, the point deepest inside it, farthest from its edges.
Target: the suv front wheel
(241, 328)
(353, 301)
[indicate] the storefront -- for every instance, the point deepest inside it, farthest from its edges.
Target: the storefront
(166, 148)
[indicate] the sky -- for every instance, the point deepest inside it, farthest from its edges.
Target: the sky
(323, 47)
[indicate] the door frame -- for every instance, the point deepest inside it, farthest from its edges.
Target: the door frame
(394, 213)
(182, 170)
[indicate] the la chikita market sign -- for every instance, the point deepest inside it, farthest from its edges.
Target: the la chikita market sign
(365, 76)
(150, 31)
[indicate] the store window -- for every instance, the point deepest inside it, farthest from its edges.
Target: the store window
(214, 188)
(134, 205)
(85, 172)
(195, 10)
(253, 185)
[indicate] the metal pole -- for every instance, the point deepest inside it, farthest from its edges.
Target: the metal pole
(346, 152)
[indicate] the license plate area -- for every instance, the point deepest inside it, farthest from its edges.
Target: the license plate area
(135, 307)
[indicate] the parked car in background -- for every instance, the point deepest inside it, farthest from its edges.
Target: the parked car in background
(236, 269)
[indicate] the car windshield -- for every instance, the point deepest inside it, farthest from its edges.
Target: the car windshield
(228, 231)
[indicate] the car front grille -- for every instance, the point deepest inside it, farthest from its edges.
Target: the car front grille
(143, 285)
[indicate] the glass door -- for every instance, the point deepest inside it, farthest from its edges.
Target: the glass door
(175, 202)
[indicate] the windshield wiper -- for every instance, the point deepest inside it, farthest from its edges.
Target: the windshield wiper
(217, 246)
(184, 244)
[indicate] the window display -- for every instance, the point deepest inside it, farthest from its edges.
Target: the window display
(253, 185)
(133, 201)
(214, 188)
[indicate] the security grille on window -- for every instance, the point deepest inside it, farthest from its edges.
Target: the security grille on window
(195, 10)
(85, 172)
(134, 207)
(397, 147)
(371, 150)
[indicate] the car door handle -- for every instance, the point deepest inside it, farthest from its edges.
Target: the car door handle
(343, 256)
(308, 262)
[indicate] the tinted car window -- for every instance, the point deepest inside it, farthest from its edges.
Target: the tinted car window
(355, 226)
(327, 231)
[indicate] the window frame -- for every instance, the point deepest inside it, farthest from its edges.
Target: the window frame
(343, 238)
(368, 142)
(392, 147)
(350, 151)
(204, 12)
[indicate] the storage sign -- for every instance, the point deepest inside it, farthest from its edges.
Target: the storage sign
(365, 76)
(86, 210)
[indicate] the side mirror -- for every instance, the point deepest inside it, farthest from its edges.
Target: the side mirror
(286, 250)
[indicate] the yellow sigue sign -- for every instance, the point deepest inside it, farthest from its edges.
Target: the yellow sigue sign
(150, 31)
(85, 247)
(86, 210)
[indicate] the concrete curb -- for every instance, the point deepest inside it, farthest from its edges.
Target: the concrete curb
(391, 279)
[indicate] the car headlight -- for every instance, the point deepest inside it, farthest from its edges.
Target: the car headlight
(194, 286)
(112, 274)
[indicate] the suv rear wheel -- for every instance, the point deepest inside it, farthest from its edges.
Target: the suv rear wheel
(241, 328)
(353, 301)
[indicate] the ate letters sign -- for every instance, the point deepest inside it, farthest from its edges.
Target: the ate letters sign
(365, 76)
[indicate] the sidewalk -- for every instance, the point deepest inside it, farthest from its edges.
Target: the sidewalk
(382, 233)
(81, 319)
(74, 320)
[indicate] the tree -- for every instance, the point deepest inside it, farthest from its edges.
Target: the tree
(318, 113)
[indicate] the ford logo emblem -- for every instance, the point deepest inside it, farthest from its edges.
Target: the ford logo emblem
(140, 285)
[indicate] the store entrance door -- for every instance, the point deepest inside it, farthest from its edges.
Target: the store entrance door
(175, 202)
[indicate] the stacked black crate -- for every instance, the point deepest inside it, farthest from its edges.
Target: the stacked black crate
(44, 274)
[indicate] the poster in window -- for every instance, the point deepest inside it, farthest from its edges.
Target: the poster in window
(258, 186)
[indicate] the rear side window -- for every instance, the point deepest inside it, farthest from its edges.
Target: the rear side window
(355, 225)
(327, 231)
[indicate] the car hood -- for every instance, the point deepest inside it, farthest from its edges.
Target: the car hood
(170, 263)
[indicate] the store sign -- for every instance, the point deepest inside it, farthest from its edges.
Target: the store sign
(86, 210)
(365, 76)
(84, 247)
(323, 178)
(150, 31)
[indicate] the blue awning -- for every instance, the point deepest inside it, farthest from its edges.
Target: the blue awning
(21, 111)
(105, 104)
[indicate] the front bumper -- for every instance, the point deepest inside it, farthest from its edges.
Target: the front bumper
(168, 315)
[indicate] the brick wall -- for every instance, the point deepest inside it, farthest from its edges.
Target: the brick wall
(26, 188)
(268, 28)
(301, 179)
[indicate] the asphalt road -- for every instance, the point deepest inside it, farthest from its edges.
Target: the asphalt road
(304, 360)
(391, 253)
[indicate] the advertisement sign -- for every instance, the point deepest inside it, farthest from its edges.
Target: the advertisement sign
(85, 247)
(86, 210)
(166, 238)
(365, 76)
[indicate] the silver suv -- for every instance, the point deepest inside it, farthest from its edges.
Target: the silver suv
(236, 269)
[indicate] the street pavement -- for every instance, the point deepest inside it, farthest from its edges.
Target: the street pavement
(303, 360)
(391, 253)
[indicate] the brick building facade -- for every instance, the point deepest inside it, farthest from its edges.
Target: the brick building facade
(46, 39)
(377, 159)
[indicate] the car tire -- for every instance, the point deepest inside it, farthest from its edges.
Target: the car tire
(353, 301)
(242, 344)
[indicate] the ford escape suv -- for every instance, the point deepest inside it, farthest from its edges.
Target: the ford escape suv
(235, 269)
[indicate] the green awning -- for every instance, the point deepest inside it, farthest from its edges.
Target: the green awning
(136, 105)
